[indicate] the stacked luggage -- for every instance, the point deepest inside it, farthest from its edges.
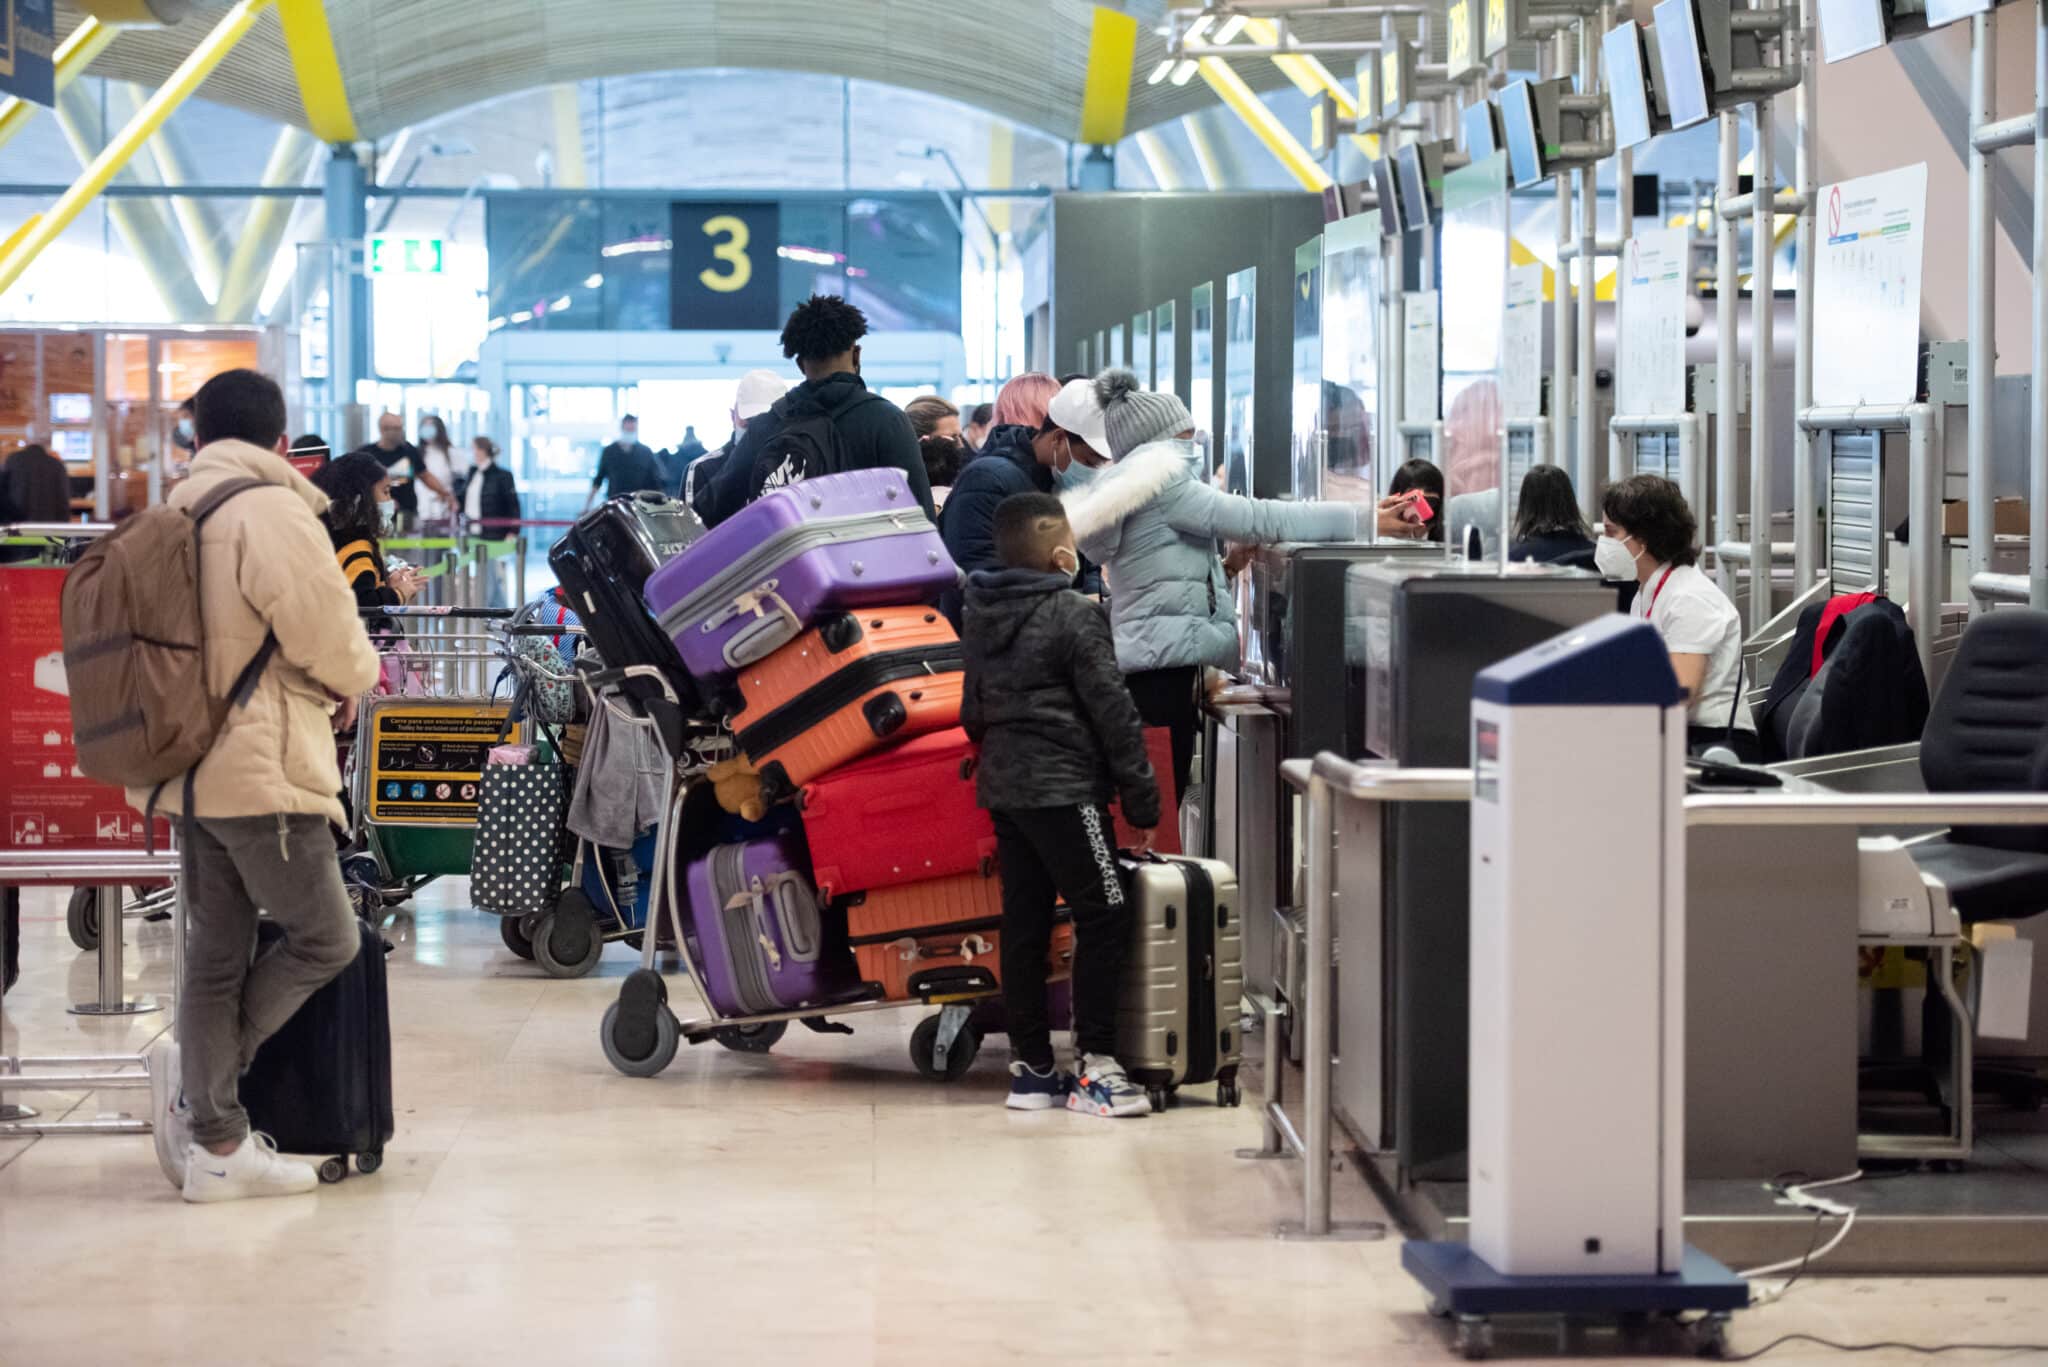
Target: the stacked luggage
(807, 624)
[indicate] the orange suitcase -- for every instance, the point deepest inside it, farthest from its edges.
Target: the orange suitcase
(939, 938)
(844, 687)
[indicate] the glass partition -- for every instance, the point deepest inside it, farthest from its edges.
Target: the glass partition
(1305, 419)
(1351, 358)
(1142, 362)
(1119, 352)
(1240, 362)
(1166, 365)
(1473, 300)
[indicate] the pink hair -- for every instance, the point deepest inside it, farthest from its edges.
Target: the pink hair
(1025, 399)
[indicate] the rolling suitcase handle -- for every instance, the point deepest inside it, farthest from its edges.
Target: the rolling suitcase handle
(776, 624)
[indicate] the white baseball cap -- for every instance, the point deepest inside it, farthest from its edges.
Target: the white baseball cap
(1076, 409)
(759, 389)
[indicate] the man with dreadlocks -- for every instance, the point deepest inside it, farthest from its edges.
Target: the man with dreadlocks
(828, 424)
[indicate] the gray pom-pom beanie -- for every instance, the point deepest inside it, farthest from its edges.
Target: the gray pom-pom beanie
(1132, 416)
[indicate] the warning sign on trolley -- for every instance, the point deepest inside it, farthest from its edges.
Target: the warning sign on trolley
(427, 760)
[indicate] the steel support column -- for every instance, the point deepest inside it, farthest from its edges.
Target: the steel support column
(348, 308)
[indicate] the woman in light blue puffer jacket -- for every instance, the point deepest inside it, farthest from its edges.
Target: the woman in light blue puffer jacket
(1152, 521)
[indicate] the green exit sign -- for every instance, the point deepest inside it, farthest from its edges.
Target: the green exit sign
(405, 255)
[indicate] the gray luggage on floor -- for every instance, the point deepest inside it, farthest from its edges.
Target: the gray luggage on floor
(1178, 1010)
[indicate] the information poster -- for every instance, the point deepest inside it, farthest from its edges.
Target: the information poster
(50, 804)
(1521, 343)
(1650, 379)
(429, 760)
(1421, 357)
(1866, 289)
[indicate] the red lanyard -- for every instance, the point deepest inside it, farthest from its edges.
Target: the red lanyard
(1659, 589)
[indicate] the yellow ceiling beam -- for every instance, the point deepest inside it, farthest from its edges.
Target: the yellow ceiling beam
(1002, 173)
(72, 57)
(1160, 161)
(1520, 255)
(572, 168)
(319, 71)
(1106, 91)
(196, 67)
(1264, 124)
(1206, 160)
(1314, 80)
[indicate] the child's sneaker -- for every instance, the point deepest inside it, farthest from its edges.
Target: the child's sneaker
(1032, 1090)
(1102, 1089)
(170, 1119)
(255, 1169)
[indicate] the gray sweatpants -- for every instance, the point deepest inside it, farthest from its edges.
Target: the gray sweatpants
(232, 998)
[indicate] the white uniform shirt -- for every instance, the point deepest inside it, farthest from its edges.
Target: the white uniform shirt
(432, 508)
(1695, 618)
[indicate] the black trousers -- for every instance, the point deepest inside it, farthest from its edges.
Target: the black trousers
(10, 937)
(1168, 697)
(1049, 853)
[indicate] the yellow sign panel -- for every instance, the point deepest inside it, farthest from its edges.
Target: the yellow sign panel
(1393, 99)
(1459, 56)
(1496, 28)
(427, 759)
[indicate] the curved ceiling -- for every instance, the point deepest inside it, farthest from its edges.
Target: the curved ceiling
(406, 61)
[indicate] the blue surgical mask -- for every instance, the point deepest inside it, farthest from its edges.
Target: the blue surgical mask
(1076, 475)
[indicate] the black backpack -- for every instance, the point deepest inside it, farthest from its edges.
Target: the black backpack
(805, 446)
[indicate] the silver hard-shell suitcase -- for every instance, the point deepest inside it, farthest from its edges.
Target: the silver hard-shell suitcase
(1179, 1005)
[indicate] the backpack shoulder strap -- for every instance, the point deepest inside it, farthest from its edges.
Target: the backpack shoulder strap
(211, 501)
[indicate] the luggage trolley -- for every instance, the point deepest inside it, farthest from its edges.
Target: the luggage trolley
(640, 1033)
(414, 769)
(593, 907)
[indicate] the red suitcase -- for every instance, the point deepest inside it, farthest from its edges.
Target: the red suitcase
(901, 815)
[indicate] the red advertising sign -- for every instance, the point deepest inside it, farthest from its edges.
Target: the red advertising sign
(46, 802)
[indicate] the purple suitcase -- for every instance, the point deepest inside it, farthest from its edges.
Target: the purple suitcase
(755, 581)
(759, 932)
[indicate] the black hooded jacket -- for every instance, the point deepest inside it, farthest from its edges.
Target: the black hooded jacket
(1046, 702)
(873, 434)
(1006, 465)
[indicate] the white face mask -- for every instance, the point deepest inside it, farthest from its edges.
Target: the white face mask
(1614, 560)
(628, 437)
(1072, 572)
(387, 514)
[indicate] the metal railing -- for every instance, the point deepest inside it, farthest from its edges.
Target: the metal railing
(111, 872)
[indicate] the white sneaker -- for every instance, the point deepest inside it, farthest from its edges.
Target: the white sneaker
(170, 1119)
(252, 1170)
(1102, 1088)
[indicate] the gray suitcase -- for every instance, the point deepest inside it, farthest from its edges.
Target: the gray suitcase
(1179, 1007)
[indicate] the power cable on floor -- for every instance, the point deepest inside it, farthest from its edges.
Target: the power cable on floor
(1928, 1349)
(1800, 1194)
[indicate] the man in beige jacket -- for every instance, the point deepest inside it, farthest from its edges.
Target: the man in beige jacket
(264, 796)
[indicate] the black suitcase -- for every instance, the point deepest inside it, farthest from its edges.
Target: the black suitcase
(603, 563)
(322, 1084)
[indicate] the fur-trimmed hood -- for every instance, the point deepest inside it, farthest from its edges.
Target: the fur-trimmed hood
(1128, 486)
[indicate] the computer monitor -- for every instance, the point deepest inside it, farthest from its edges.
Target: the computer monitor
(1384, 183)
(1412, 180)
(1481, 122)
(1627, 85)
(1682, 61)
(1527, 164)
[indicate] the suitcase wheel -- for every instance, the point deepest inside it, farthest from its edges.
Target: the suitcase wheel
(367, 1163)
(332, 1170)
(1227, 1093)
(924, 1046)
(751, 1039)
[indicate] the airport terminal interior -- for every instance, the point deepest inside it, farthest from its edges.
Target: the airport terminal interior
(1216, 681)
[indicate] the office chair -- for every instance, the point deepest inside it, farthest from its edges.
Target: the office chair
(1988, 732)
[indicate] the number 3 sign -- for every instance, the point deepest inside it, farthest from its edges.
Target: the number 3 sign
(723, 268)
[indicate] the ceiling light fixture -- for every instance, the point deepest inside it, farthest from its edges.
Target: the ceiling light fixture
(1185, 72)
(1197, 28)
(1232, 26)
(1160, 72)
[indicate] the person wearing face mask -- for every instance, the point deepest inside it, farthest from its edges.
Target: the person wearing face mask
(360, 512)
(437, 472)
(1024, 451)
(1152, 521)
(1059, 737)
(402, 461)
(183, 440)
(488, 493)
(626, 467)
(1648, 538)
(937, 424)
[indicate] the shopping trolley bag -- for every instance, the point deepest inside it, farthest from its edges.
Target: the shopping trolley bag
(758, 579)
(844, 688)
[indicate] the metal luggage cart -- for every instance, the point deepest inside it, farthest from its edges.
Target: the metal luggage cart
(567, 937)
(639, 1032)
(414, 769)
